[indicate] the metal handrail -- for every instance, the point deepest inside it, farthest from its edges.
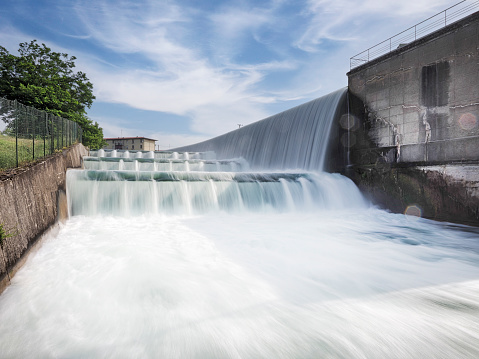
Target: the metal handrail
(441, 19)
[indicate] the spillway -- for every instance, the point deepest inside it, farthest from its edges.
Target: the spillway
(298, 138)
(241, 248)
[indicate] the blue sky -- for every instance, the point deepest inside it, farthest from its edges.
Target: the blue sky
(182, 71)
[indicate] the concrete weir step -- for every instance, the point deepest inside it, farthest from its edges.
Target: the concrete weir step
(94, 175)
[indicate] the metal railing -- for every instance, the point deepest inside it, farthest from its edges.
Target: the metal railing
(27, 134)
(436, 22)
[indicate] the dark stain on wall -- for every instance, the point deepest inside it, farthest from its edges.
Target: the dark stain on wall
(435, 84)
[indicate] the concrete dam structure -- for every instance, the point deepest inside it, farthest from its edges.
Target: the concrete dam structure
(416, 129)
(407, 131)
(247, 246)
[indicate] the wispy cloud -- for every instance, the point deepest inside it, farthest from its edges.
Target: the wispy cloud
(346, 20)
(178, 78)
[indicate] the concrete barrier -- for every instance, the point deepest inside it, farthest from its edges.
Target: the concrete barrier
(30, 203)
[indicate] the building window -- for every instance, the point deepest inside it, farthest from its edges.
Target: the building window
(132, 147)
(126, 146)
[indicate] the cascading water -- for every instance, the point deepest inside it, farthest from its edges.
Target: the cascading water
(294, 139)
(181, 255)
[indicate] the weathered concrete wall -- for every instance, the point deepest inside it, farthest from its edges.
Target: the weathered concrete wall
(424, 97)
(444, 193)
(29, 203)
(419, 106)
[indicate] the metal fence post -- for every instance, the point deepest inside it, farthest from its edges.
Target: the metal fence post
(52, 144)
(45, 135)
(15, 105)
(33, 134)
(58, 136)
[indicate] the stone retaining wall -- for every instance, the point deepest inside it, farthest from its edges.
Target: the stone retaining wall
(29, 204)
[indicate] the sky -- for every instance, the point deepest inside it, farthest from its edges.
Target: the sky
(183, 71)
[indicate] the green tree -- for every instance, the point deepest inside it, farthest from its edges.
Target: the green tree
(44, 79)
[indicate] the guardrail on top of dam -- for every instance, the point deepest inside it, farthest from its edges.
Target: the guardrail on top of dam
(426, 27)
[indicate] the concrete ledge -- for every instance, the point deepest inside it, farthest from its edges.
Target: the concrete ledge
(29, 203)
(434, 152)
(448, 192)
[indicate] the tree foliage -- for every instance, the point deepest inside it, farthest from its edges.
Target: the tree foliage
(46, 80)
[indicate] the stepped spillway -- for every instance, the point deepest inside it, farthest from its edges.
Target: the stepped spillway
(114, 184)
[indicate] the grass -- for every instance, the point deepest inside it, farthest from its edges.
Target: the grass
(25, 151)
(26, 154)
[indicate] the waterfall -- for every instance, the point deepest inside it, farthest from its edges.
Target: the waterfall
(294, 139)
(217, 175)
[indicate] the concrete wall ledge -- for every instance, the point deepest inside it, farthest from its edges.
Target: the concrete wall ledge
(30, 203)
(446, 192)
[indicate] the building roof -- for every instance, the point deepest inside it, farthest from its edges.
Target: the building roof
(129, 138)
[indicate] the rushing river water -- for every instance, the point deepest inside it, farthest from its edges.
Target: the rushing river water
(179, 255)
(324, 277)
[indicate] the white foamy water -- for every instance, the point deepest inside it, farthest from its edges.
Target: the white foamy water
(182, 255)
(317, 284)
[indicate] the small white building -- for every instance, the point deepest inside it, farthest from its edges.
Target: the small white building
(130, 143)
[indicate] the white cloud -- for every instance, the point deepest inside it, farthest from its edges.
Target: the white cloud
(338, 20)
(178, 79)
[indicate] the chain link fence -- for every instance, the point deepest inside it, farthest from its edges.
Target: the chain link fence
(27, 134)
